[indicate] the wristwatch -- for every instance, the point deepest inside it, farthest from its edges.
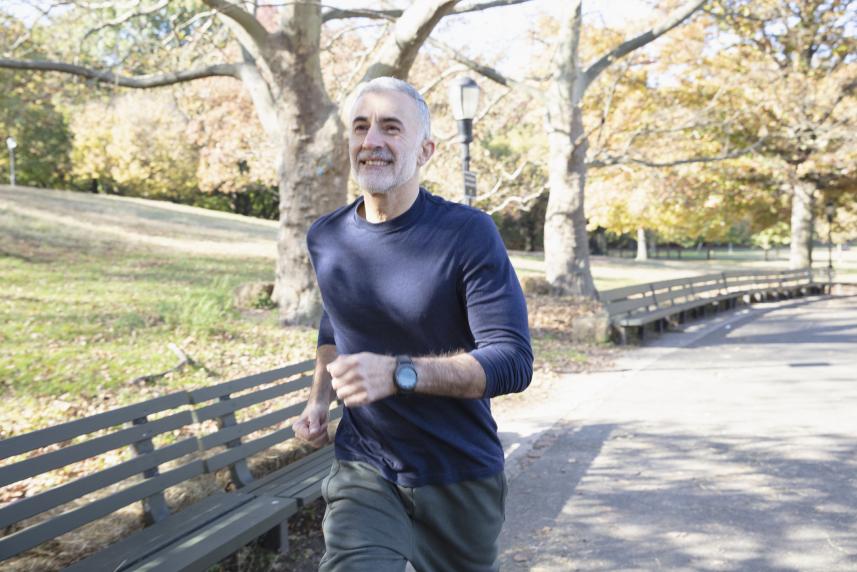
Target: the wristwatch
(405, 376)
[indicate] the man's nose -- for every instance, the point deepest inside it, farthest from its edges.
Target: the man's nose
(374, 138)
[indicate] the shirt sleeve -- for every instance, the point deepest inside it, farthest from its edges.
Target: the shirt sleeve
(496, 309)
(325, 331)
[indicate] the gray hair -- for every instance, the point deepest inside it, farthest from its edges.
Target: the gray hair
(387, 83)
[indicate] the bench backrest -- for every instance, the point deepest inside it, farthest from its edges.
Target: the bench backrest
(196, 432)
(639, 298)
(628, 299)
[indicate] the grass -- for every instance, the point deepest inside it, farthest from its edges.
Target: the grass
(82, 315)
(614, 272)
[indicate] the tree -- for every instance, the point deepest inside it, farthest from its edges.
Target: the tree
(136, 143)
(28, 115)
(280, 67)
(566, 242)
(798, 61)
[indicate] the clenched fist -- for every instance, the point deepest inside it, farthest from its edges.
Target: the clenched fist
(361, 379)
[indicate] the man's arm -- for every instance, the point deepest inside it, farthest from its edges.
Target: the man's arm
(361, 379)
(311, 426)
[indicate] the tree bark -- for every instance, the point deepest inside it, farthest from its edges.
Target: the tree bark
(803, 199)
(566, 244)
(567, 267)
(642, 245)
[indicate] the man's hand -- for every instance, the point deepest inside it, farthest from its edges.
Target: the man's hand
(311, 426)
(361, 379)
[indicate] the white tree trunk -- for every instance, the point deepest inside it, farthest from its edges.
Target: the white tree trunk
(642, 246)
(566, 242)
(803, 198)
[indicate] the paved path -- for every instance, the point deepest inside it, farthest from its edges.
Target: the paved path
(729, 448)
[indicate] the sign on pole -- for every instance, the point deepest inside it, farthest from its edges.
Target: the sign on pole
(469, 184)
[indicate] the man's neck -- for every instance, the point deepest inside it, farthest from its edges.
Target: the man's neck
(382, 207)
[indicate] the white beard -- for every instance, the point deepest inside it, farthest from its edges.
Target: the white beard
(380, 181)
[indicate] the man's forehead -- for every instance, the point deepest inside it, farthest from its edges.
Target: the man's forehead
(384, 104)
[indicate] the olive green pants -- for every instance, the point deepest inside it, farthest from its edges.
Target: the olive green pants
(374, 525)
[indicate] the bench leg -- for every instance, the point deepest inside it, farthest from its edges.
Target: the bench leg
(277, 539)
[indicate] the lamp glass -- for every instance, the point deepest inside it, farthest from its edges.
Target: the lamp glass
(11, 143)
(463, 98)
(830, 208)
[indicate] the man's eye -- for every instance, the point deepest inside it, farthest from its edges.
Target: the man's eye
(392, 129)
(359, 128)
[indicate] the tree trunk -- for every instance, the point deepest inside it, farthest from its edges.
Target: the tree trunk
(803, 197)
(642, 246)
(313, 160)
(313, 173)
(566, 243)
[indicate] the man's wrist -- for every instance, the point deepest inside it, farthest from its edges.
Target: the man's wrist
(405, 374)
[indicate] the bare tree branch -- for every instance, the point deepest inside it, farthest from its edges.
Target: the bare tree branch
(505, 177)
(247, 21)
(137, 82)
(525, 202)
(129, 15)
(487, 71)
(625, 48)
(410, 32)
(339, 13)
(620, 160)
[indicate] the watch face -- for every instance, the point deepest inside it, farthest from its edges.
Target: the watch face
(406, 378)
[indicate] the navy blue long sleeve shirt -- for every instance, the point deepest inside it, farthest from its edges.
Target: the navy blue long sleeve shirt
(432, 281)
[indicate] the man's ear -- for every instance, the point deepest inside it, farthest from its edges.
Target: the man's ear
(426, 152)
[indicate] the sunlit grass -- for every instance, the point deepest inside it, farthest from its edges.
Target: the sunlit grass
(82, 316)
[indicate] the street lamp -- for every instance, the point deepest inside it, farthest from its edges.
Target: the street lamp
(464, 99)
(11, 144)
(829, 210)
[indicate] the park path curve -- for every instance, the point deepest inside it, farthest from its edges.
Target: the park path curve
(731, 446)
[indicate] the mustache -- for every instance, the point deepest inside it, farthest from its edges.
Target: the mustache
(370, 156)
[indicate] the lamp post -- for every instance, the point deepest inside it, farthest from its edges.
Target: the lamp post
(464, 99)
(11, 144)
(829, 210)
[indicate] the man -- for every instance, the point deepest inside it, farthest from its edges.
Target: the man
(424, 322)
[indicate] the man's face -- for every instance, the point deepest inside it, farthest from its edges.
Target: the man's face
(386, 141)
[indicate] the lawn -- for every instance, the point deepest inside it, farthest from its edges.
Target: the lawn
(82, 315)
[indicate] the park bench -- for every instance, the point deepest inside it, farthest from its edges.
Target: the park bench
(171, 440)
(665, 303)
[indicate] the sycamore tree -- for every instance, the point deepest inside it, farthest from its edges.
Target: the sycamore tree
(798, 63)
(279, 65)
(566, 245)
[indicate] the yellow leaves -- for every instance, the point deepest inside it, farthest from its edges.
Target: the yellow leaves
(136, 142)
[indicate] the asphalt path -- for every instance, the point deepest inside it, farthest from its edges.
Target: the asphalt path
(729, 446)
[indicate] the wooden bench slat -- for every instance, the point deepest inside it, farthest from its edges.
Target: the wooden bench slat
(325, 452)
(148, 541)
(226, 388)
(296, 488)
(213, 543)
(65, 431)
(221, 460)
(221, 408)
(56, 459)
(228, 434)
(37, 504)
(36, 534)
(622, 292)
(289, 475)
(627, 306)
